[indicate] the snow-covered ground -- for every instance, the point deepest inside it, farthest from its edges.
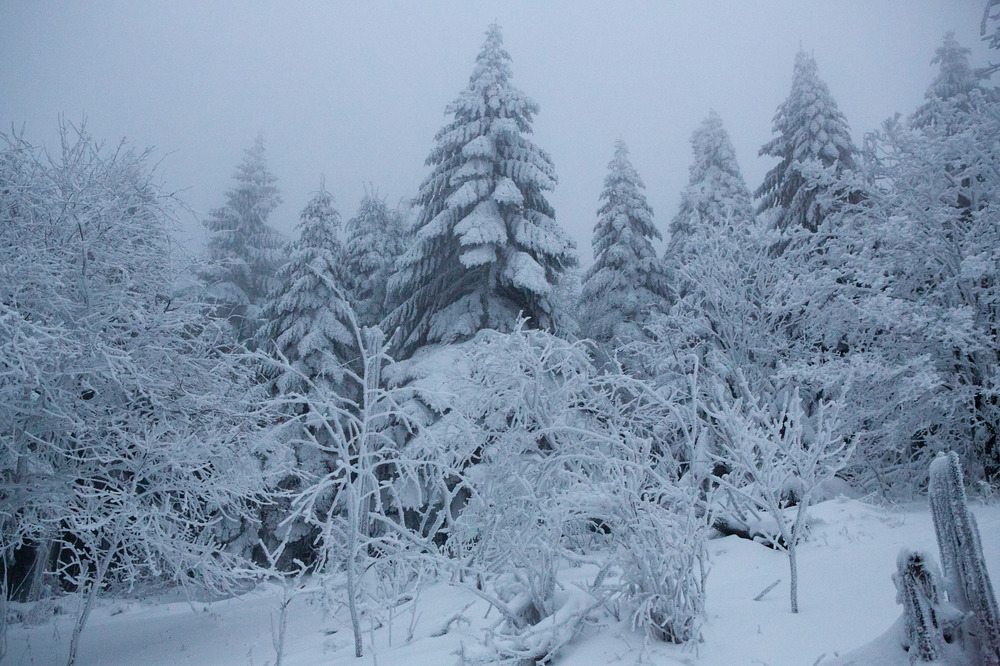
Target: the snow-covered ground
(846, 599)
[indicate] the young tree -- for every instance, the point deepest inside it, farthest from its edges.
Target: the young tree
(487, 246)
(376, 236)
(809, 128)
(773, 452)
(716, 194)
(359, 505)
(627, 282)
(243, 252)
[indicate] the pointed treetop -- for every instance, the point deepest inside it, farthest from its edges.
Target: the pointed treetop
(253, 172)
(319, 221)
(307, 316)
(956, 76)
(493, 62)
(376, 236)
(243, 251)
(620, 169)
(713, 148)
(624, 217)
(716, 193)
(951, 91)
(810, 129)
(808, 123)
(627, 281)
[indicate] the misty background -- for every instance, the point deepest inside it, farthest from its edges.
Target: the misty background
(357, 91)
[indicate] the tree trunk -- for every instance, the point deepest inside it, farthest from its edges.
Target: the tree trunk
(102, 570)
(793, 568)
(39, 568)
(352, 582)
(791, 542)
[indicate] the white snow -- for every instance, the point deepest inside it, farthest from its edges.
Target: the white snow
(847, 600)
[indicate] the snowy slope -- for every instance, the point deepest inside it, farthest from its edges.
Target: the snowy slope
(846, 595)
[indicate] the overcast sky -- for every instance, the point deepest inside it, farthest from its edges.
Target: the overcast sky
(357, 90)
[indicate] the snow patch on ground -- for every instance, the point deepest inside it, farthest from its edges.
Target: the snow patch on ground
(847, 599)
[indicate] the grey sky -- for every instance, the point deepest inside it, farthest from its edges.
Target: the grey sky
(357, 90)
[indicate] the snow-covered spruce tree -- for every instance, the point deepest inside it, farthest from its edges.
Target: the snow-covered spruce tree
(955, 82)
(716, 195)
(966, 578)
(809, 128)
(486, 246)
(307, 316)
(243, 253)
(719, 330)
(375, 238)
(627, 282)
(131, 440)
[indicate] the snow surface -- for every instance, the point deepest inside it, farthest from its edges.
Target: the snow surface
(847, 599)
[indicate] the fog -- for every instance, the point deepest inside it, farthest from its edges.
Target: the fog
(356, 91)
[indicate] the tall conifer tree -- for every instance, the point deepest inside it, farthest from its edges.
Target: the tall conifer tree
(716, 194)
(243, 252)
(951, 89)
(308, 315)
(487, 246)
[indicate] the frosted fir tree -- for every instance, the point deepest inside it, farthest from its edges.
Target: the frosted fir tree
(308, 317)
(716, 194)
(627, 281)
(243, 252)
(487, 246)
(811, 132)
(951, 89)
(376, 236)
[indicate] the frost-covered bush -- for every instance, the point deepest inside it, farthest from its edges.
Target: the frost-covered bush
(774, 455)
(662, 561)
(561, 467)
